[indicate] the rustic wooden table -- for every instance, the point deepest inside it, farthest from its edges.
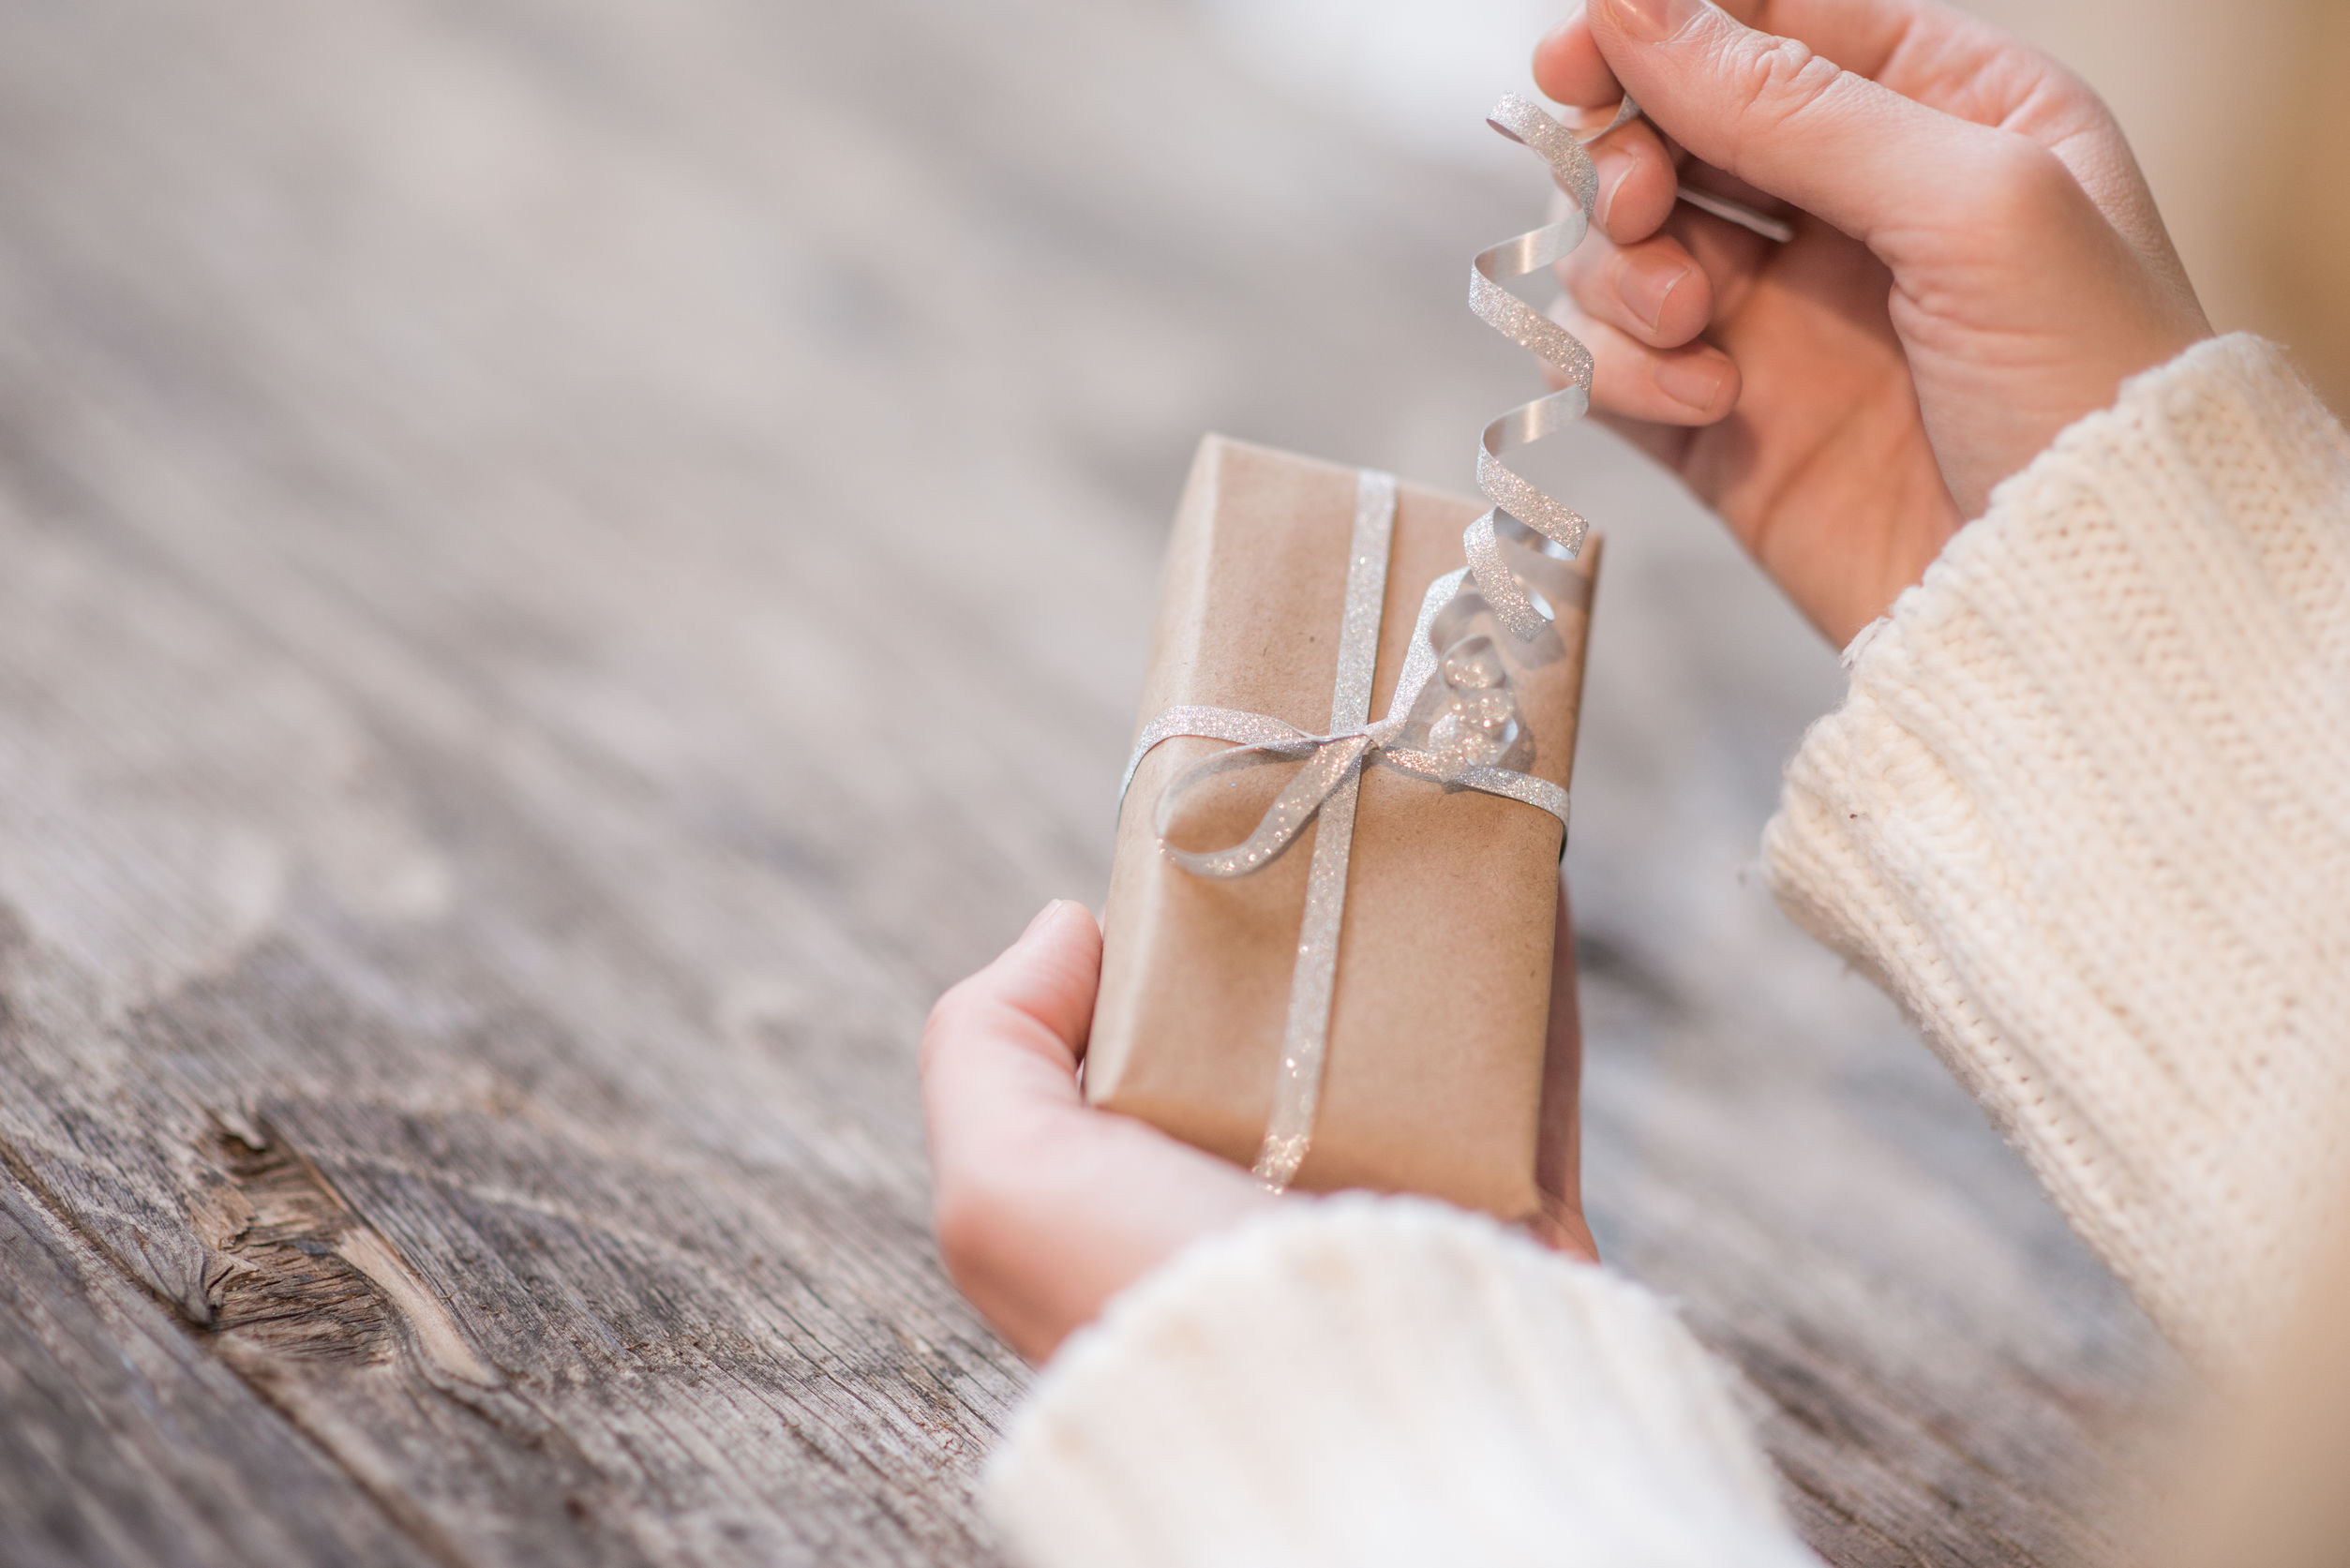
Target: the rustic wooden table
(564, 568)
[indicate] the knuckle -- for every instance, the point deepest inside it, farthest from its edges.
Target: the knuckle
(2020, 183)
(1777, 80)
(2073, 87)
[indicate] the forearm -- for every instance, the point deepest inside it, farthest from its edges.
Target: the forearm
(2086, 813)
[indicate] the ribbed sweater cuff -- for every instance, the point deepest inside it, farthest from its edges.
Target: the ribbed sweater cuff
(1384, 1380)
(2086, 813)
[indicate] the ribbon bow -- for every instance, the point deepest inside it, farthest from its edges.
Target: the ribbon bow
(1453, 717)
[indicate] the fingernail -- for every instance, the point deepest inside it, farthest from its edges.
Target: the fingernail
(1646, 289)
(1654, 21)
(1693, 380)
(1622, 164)
(1042, 916)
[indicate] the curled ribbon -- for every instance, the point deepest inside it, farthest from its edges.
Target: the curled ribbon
(1518, 505)
(1453, 718)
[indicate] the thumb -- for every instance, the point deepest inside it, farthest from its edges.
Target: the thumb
(1035, 1000)
(1782, 118)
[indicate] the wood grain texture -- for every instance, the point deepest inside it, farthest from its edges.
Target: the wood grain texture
(564, 568)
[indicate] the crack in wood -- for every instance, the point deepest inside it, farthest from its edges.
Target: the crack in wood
(250, 1352)
(302, 1276)
(280, 1284)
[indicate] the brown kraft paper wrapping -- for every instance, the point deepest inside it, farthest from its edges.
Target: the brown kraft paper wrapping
(1437, 1025)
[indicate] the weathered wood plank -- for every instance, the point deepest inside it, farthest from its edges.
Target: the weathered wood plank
(126, 1442)
(564, 568)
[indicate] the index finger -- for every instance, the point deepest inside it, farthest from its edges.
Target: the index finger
(1920, 49)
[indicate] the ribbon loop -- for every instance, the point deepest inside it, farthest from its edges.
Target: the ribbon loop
(1331, 764)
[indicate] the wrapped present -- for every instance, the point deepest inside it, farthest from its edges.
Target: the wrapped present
(1383, 964)
(1326, 953)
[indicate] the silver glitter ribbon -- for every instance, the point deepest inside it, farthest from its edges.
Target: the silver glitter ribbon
(1453, 718)
(1517, 504)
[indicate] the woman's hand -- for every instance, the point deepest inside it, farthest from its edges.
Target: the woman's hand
(1047, 1207)
(1977, 263)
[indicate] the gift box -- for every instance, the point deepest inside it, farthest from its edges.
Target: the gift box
(1402, 996)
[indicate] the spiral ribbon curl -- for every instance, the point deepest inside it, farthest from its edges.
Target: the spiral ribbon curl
(1518, 505)
(1453, 718)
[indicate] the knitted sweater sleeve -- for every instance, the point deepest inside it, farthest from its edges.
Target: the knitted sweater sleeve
(1383, 1382)
(2085, 815)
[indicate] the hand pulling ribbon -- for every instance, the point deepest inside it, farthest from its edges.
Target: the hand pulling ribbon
(1453, 718)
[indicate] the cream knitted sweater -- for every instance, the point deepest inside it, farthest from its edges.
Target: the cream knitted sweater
(2084, 813)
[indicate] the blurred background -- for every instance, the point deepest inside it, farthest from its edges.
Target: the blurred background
(725, 448)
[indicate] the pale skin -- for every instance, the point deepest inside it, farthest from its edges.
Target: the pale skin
(1977, 264)
(1047, 1207)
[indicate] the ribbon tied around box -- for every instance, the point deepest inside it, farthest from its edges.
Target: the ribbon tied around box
(1454, 717)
